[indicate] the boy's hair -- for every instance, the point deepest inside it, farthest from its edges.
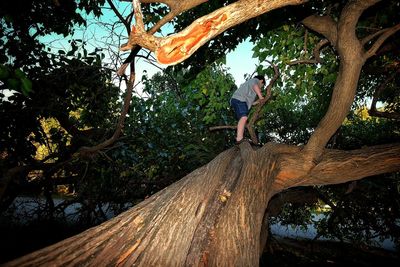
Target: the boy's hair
(260, 77)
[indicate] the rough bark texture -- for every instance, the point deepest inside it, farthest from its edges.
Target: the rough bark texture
(216, 215)
(213, 216)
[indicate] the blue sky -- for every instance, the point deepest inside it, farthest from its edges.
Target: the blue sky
(239, 61)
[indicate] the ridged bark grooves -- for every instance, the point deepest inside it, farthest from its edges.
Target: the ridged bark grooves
(206, 218)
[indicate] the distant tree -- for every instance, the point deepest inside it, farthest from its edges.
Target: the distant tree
(37, 84)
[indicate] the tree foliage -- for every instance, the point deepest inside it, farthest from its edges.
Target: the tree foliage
(300, 100)
(64, 100)
(38, 83)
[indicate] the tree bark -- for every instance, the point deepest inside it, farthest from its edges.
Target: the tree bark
(213, 216)
(175, 48)
(216, 215)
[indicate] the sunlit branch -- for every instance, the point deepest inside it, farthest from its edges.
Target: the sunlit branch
(138, 16)
(356, 164)
(175, 7)
(338, 166)
(178, 47)
(342, 36)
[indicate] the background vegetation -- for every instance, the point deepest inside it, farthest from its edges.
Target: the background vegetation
(52, 103)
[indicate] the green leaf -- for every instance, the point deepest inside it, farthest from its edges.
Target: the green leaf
(26, 86)
(19, 74)
(13, 83)
(4, 72)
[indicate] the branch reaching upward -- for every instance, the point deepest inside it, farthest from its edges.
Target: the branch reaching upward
(384, 35)
(342, 36)
(316, 53)
(256, 114)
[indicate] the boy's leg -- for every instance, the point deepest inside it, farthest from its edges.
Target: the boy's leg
(240, 128)
(241, 112)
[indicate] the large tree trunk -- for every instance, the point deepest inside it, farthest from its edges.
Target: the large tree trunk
(213, 216)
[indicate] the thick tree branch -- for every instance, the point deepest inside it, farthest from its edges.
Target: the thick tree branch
(351, 53)
(324, 25)
(344, 166)
(178, 47)
(175, 9)
(349, 17)
(337, 166)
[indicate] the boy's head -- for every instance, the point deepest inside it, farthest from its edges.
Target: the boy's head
(261, 78)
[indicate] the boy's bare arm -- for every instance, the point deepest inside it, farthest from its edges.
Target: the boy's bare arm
(257, 89)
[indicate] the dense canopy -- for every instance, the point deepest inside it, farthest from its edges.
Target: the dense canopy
(83, 132)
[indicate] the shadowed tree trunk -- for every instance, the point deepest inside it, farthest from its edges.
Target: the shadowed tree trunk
(215, 215)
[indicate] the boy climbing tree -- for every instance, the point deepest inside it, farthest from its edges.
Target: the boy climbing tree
(243, 99)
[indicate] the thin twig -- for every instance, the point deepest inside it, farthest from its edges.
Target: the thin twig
(316, 53)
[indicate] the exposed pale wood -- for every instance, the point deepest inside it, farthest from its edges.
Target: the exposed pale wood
(178, 47)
